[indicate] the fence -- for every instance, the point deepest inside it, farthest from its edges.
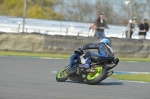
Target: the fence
(54, 27)
(43, 30)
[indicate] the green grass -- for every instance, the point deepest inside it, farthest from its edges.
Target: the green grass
(132, 77)
(136, 59)
(30, 54)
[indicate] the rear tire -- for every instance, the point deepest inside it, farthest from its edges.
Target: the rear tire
(97, 77)
(62, 75)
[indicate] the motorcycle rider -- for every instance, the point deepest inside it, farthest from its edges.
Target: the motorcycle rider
(104, 50)
(75, 60)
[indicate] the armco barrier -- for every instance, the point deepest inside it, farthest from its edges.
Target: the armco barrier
(131, 47)
(122, 47)
(22, 42)
(67, 44)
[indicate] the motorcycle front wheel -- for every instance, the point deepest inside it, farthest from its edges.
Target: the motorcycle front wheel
(62, 75)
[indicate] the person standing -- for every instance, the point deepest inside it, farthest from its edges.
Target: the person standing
(146, 26)
(143, 28)
(100, 26)
(133, 27)
(92, 30)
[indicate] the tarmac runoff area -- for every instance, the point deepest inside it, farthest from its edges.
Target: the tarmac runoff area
(34, 78)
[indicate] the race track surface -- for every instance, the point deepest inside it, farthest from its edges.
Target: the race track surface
(33, 78)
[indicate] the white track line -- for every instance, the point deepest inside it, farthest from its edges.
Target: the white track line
(130, 72)
(130, 81)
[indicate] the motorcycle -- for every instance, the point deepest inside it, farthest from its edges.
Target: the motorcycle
(97, 72)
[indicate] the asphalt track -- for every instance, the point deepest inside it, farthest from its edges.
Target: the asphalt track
(32, 78)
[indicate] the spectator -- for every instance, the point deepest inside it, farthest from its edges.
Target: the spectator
(92, 26)
(133, 27)
(146, 25)
(100, 26)
(143, 28)
(92, 30)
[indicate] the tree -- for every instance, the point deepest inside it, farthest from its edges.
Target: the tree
(11, 7)
(35, 9)
(77, 10)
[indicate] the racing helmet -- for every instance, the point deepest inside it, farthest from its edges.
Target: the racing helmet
(105, 40)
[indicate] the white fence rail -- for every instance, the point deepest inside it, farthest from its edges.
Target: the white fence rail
(54, 27)
(43, 30)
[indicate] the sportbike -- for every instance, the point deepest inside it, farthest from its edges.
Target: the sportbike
(98, 71)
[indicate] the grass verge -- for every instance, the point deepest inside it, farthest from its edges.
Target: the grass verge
(135, 59)
(31, 54)
(132, 77)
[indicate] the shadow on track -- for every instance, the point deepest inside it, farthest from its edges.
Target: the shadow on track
(101, 83)
(110, 83)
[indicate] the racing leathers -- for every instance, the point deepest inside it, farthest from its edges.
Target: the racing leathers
(104, 50)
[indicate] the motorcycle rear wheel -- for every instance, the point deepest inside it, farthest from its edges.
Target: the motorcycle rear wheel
(101, 72)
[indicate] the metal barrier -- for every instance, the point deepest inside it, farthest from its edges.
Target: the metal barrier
(42, 30)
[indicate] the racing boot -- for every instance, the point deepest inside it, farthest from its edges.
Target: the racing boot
(71, 70)
(80, 69)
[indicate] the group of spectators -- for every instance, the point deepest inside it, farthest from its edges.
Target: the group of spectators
(100, 25)
(143, 28)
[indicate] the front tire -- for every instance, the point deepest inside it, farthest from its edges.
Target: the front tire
(62, 75)
(97, 77)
